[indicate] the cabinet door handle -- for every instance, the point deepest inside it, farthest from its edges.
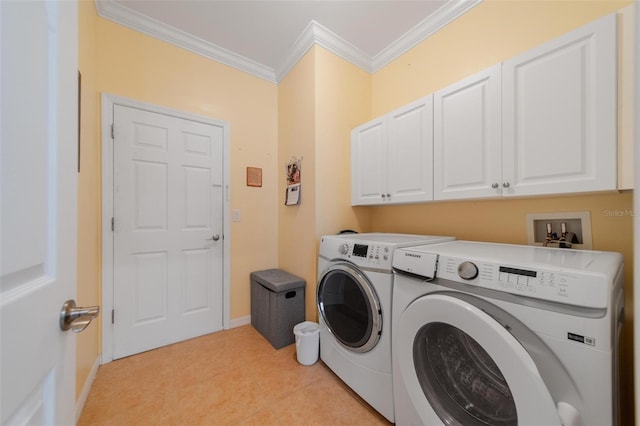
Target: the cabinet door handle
(494, 185)
(383, 195)
(505, 184)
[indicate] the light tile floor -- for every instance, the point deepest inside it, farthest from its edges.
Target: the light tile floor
(233, 377)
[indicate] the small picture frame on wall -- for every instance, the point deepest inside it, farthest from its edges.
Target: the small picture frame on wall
(254, 176)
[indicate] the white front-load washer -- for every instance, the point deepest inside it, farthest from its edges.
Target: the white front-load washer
(354, 292)
(497, 334)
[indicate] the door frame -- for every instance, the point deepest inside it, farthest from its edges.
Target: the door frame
(108, 103)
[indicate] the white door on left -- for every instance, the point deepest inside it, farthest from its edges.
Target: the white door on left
(38, 150)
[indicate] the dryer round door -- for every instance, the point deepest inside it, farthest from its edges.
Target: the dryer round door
(349, 307)
(461, 366)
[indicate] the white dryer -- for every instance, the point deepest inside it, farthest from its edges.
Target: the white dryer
(496, 334)
(354, 294)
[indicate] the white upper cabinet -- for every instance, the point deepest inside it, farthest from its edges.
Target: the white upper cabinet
(369, 162)
(410, 153)
(467, 148)
(559, 114)
(543, 122)
(392, 157)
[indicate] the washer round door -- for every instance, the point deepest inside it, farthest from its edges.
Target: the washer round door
(349, 307)
(461, 366)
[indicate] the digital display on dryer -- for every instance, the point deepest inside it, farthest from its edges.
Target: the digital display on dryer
(518, 271)
(360, 250)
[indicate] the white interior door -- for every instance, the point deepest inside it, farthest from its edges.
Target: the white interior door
(168, 229)
(38, 222)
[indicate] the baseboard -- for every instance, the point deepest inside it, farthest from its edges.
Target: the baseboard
(239, 322)
(82, 399)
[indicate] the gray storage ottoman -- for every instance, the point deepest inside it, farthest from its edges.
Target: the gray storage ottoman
(277, 304)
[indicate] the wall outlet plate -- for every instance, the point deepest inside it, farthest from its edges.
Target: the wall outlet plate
(577, 222)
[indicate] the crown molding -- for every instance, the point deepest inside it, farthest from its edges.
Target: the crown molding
(443, 16)
(314, 33)
(146, 25)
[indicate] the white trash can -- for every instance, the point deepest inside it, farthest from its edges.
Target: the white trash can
(307, 342)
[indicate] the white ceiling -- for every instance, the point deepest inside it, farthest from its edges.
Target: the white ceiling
(266, 38)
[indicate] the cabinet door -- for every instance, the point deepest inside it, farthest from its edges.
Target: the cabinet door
(369, 162)
(559, 114)
(410, 153)
(467, 149)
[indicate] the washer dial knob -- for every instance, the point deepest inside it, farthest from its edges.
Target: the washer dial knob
(343, 249)
(467, 270)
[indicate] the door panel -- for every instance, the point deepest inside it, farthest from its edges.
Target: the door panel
(467, 145)
(410, 152)
(559, 115)
(368, 162)
(167, 207)
(38, 201)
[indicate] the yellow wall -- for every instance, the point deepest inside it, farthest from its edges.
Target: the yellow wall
(89, 198)
(122, 62)
(136, 66)
(321, 99)
(343, 101)
(488, 34)
(296, 134)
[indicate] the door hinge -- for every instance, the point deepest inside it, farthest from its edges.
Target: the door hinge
(113, 131)
(113, 316)
(113, 224)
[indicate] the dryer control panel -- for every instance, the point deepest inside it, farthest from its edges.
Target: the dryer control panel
(366, 255)
(372, 255)
(560, 286)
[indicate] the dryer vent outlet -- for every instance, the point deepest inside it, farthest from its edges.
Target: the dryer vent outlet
(542, 227)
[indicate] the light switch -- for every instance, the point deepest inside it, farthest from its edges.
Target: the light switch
(235, 215)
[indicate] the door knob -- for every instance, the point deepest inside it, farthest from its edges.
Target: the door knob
(215, 237)
(75, 318)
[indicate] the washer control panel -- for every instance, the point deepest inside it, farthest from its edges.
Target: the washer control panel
(560, 286)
